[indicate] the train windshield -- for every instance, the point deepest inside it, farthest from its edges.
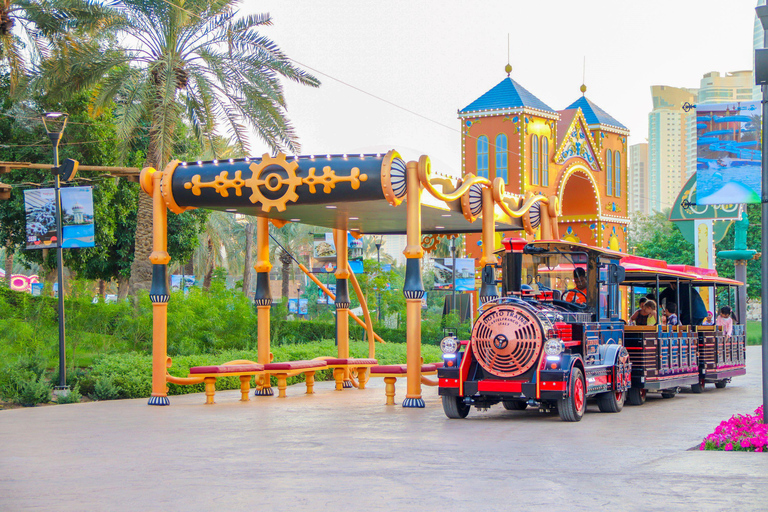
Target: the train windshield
(560, 271)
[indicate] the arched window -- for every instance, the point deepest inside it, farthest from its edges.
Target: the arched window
(501, 157)
(534, 160)
(545, 161)
(482, 156)
(617, 173)
(609, 172)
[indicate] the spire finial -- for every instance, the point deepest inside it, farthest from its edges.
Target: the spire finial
(583, 87)
(508, 67)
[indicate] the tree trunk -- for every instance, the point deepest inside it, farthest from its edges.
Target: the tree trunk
(141, 268)
(248, 257)
(209, 267)
(102, 290)
(122, 288)
(8, 265)
(285, 260)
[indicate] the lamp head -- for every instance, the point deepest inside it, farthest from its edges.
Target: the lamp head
(53, 119)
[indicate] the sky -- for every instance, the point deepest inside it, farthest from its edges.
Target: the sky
(425, 60)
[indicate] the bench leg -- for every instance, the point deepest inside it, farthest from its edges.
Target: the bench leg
(362, 377)
(245, 387)
(263, 386)
(310, 382)
(210, 390)
(338, 376)
(281, 384)
(389, 389)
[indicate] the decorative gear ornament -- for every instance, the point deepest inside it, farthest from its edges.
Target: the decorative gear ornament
(273, 182)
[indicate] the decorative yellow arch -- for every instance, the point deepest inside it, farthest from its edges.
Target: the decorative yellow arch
(567, 176)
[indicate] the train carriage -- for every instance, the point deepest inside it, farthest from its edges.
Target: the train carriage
(555, 338)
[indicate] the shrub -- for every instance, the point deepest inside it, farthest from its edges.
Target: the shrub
(12, 378)
(743, 432)
(33, 391)
(73, 397)
(105, 389)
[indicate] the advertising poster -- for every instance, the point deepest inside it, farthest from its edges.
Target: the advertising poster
(76, 217)
(728, 159)
(189, 281)
(322, 298)
(465, 273)
(40, 209)
(324, 251)
(298, 306)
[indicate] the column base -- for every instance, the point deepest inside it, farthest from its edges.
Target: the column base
(414, 402)
(263, 392)
(159, 400)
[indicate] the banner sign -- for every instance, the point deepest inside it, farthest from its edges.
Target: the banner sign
(729, 157)
(465, 273)
(324, 251)
(76, 217)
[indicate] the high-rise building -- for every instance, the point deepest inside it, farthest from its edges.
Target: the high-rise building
(638, 178)
(734, 86)
(671, 146)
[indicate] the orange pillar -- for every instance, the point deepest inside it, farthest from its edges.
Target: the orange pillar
(263, 300)
(488, 289)
(158, 292)
(342, 299)
(413, 288)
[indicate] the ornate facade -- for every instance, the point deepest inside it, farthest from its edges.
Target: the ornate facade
(578, 154)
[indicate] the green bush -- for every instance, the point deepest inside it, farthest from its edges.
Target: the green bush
(12, 379)
(33, 391)
(73, 397)
(105, 389)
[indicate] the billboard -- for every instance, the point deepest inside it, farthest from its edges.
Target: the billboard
(76, 217)
(465, 273)
(324, 251)
(728, 153)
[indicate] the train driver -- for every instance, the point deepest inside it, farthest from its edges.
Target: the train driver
(577, 295)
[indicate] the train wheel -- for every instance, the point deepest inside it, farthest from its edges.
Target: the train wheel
(636, 396)
(699, 388)
(515, 405)
(572, 407)
(612, 401)
(721, 384)
(454, 407)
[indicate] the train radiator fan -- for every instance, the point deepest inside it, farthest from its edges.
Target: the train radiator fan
(507, 340)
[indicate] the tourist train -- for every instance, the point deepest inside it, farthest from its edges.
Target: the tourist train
(551, 342)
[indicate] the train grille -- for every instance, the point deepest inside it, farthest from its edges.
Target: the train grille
(507, 340)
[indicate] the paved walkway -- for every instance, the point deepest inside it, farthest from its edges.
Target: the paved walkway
(348, 451)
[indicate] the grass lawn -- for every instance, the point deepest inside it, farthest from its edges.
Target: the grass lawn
(754, 333)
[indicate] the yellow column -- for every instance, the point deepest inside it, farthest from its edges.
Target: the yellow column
(158, 293)
(263, 300)
(488, 289)
(342, 299)
(413, 288)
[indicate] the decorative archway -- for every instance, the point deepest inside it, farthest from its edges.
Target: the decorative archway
(580, 203)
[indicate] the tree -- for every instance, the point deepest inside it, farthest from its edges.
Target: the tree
(29, 27)
(174, 56)
(655, 236)
(294, 239)
(725, 267)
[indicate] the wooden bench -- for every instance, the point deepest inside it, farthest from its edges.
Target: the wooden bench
(292, 368)
(359, 366)
(240, 368)
(393, 372)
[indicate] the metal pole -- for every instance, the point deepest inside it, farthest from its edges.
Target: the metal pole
(378, 292)
(55, 138)
(762, 13)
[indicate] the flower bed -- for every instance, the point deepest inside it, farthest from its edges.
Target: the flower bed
(743, 433)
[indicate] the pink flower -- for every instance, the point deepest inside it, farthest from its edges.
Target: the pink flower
(728, 447)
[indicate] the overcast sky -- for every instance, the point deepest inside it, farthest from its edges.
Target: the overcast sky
(435, 57)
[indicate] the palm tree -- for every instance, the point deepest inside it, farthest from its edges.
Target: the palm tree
(295, 239)
(195, 58)
(29, 27)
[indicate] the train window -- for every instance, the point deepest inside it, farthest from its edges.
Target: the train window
(566, 273)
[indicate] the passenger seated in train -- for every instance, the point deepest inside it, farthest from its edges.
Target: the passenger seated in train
(698, 308)
(725, 321)
(670, 314)
(646, 315)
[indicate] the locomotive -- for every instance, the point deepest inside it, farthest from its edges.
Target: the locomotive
(548, 343)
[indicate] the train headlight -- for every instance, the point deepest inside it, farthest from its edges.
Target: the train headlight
(553, 347)
(449, 345)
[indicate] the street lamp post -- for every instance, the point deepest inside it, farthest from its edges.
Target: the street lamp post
(378, 292)
(453, 274)
(55, 136)
(761, 77)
